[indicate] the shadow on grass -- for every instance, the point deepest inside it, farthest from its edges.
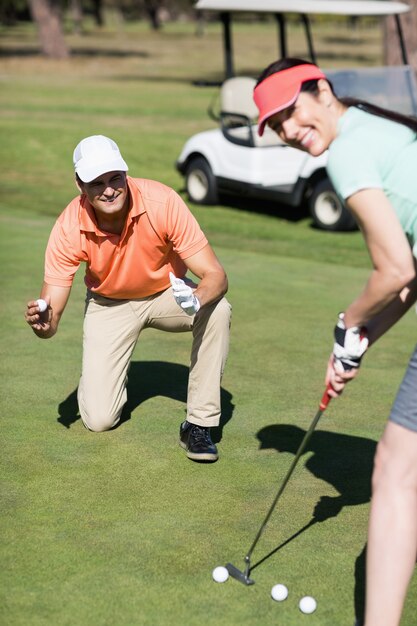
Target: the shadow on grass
(343, 461)
(260, 206)
(265, 207)
(148, 379)
(273, 208)
(360, 579)
(35, 51)
(169, 78)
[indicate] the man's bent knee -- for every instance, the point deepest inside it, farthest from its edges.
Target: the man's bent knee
(99, 424)
(100, 412)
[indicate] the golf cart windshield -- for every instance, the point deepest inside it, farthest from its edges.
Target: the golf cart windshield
(391, 87)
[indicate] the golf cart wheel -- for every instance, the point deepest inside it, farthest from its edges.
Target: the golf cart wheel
(200, 182)
(327, 210)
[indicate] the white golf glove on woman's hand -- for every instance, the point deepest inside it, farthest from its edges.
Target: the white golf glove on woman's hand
(184, 295)
(350, 345)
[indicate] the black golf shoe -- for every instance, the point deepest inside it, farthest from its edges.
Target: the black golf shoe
(197, 442)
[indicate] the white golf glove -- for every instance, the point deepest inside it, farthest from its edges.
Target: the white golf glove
(350, 345)
(184, 295)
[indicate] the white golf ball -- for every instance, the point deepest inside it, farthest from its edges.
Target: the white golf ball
(42, 305)
(220, 574)
(279, 592)
(307, 604)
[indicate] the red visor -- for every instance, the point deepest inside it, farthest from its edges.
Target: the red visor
(280, 90)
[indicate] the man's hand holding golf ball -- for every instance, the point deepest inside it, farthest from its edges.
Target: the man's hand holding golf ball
(349, 347)
(184, 295)
(38, 315)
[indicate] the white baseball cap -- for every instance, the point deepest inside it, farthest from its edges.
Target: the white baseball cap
(97, 155)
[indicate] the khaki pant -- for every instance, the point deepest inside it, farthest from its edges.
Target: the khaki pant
(111, 330)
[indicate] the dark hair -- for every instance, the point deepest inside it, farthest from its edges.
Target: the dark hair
(310, 86)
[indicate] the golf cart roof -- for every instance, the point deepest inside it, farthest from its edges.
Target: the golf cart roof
(329, 7)
(281, 9)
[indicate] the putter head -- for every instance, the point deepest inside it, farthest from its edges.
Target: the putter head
(240, 576)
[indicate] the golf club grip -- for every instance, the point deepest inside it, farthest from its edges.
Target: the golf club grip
(325, 398)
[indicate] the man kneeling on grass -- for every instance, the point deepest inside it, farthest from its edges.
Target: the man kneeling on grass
(138, 239)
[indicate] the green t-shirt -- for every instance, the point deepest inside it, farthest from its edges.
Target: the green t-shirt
(371, 152)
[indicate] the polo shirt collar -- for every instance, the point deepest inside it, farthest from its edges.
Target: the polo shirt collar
(137, 205)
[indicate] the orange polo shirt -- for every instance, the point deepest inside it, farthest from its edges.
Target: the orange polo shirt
(160, 232)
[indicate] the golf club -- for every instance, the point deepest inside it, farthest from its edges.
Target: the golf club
(243, 576)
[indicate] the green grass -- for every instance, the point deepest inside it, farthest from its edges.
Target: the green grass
(120, 528)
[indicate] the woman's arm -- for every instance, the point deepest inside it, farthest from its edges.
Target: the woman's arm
(392, 286)
(390, 252)
(383, 321)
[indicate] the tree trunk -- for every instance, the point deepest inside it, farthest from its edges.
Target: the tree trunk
(152, 9)
(98, 12)
(392, 49)
(77, 15)
(47, 17)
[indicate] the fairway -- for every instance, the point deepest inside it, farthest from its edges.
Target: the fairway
(119, 528)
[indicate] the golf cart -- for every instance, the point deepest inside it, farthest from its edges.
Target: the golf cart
(234, 160)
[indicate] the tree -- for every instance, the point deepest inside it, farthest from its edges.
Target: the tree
(392, 49)
(77, 15)
(47, 15)
(98, 12)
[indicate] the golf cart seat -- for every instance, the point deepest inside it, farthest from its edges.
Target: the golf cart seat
(238, 114)
(236, 96)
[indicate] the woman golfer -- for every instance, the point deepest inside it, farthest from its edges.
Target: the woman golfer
(372, 163)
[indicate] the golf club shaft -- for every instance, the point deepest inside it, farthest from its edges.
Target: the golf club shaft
(323, 404)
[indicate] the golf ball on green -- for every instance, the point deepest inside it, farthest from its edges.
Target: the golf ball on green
(220, 574)
(307, 605)
(42, 305)
(279, 592)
